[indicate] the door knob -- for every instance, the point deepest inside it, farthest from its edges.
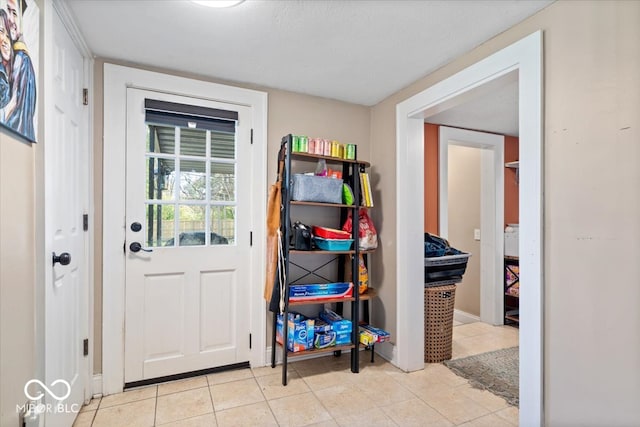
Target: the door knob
(137, 247)
(64, 258)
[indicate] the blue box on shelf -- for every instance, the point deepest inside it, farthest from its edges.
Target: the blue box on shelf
(338, 324)
(299, 332)
(343, 337)
(320, 291)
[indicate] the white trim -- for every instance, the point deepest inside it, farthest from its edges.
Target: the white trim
(97, 385)
(491, 212)
(116, 80)
(74, 32)
(464, 317)
(526, 57)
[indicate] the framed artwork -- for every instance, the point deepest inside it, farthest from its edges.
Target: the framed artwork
(19, 54)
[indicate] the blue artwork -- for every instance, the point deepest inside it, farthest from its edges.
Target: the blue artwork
(19, 28)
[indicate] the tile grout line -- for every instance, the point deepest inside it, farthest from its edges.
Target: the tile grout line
(213, 407)
(155, 411)
(265, 397)
(317, 398)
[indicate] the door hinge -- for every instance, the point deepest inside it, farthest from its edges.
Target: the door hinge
(85, 222)
(249, 341)
(251, 238)
(251, 136)
(85, 347)
(85, 96)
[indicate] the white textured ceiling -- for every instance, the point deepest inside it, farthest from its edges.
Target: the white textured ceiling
(354, 51)
(496, 111)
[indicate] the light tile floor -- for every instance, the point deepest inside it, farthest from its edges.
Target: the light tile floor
(321, 392)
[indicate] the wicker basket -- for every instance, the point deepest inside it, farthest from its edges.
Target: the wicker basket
(438, 322)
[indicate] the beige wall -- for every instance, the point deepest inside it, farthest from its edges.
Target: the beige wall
(17, 273)
(464, 180)
(591, 205)
(287, 113)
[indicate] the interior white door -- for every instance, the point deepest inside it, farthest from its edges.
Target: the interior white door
(66, 191)
(187, 211)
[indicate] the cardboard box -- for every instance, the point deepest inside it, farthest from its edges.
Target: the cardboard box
(338, 324)
(319, 291)
(324, 339)
(299, 332)
(377, 334)
(320, 326)
(343, 338)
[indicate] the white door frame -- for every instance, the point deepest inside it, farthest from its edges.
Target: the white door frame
(491, 212)
(59, 7)
(525, 56)
(116, 80)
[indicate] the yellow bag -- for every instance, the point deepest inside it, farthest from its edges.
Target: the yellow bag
(363, 274)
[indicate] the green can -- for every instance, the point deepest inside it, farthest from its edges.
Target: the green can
(304, 144)
(295, 143)
(351, 151)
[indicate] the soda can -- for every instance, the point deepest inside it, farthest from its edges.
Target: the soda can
(327, 148)
(335, 149)
(351, 151)
(295, 143)
(304, 144)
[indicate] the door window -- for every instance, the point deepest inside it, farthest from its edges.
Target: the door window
(190, 180)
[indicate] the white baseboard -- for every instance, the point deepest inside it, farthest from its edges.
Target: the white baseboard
(387, 351)
(464, 317)
(96, 386)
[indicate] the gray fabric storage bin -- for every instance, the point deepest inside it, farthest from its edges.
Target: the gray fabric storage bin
(309, 188)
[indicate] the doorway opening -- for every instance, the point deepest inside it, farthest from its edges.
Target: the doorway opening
(525, 57)
(488, 214)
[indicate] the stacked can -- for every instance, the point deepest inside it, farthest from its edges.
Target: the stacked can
(350, 152)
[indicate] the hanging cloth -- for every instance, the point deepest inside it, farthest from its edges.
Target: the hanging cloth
(273, 226)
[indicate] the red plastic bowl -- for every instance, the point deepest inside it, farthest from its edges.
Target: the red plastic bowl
(330, 233)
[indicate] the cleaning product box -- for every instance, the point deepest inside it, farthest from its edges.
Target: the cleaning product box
(319, 291)
(338, 324)
(299, 332)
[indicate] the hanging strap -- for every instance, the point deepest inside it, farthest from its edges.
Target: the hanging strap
(282, 274)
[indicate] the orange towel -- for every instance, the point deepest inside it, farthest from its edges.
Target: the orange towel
(273, 224)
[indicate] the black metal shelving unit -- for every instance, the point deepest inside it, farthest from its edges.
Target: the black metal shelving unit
(350, 174)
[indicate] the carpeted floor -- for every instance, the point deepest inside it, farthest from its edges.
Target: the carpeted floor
(496, 371)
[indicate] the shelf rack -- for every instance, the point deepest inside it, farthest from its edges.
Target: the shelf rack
(350, 173)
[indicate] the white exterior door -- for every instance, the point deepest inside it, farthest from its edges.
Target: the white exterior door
(187, 237)
(66, 195)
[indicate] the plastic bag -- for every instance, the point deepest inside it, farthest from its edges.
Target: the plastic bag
(367, 234)
(363, 273)
(347, 195)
